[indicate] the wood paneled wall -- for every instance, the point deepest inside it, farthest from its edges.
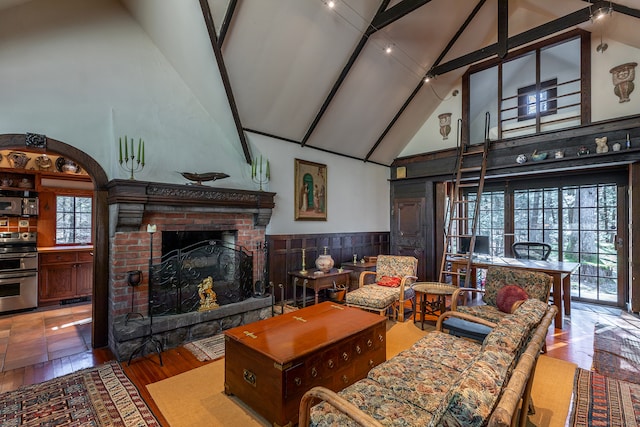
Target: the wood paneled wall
(285, 252)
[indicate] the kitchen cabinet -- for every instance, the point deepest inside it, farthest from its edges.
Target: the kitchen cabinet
(65, 274)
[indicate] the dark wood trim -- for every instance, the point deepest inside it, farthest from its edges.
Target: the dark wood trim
(395, 12)
(213, 38)
(503, 28)
(100, 323)
(226, 23)
(518, 40)
(257, 132)
(634, 237)
(285, 253)
(503, 153)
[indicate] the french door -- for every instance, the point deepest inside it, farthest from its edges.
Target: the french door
(579, 217)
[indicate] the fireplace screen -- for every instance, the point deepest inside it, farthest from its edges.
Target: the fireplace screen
(201, 277)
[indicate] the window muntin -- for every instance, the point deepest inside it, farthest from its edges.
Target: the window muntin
(531, 100)
(73, 219)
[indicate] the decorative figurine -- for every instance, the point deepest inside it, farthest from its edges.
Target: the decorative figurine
(616, 146)
(521, 159)
(583, 151)
(208, 298)
(601, 145)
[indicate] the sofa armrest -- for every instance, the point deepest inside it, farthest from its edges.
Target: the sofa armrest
(463, 316)
(342, 405)
(519, 387)
(456, 295)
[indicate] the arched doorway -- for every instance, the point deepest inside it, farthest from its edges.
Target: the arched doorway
(99, 333)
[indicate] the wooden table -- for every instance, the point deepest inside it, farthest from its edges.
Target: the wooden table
(317, 280)
(356, 269)
(437, 307)
(271, 363)
(558, 270)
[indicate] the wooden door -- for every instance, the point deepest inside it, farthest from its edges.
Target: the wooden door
(408, 234)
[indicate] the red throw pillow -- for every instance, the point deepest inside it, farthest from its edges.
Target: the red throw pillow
(392, 282)
(508, 296)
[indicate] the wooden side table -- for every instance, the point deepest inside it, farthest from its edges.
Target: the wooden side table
(317, 280)
(356, 269)
(437, 307)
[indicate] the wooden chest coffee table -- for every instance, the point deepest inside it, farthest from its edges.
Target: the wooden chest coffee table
(270, 364)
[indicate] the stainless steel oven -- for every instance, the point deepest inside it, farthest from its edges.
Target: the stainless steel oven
(18, 271)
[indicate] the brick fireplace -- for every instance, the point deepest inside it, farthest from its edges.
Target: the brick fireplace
(177, 208)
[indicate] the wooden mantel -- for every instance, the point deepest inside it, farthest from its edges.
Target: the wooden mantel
(128, 200)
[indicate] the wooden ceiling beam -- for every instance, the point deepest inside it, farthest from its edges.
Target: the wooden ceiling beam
(342, 76)
(213, 38)
(226, 22)
(394, 13)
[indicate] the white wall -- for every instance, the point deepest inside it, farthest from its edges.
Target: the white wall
(357, 192)
(87, 73)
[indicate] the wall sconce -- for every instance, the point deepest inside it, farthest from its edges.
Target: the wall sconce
(623, 76)
(445, 125)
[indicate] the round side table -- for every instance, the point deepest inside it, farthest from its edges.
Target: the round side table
(437, 306)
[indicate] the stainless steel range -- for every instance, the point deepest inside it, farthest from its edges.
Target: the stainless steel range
(18, 271)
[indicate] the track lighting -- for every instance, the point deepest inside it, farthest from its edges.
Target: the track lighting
(600, 10)
(330, 3)
(388, 49)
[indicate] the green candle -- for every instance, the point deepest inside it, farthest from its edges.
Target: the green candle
(142, 153)
(131, 148)
(120, 143)
(268, 174)
(139, 148)
(260, 166)
(126, 150)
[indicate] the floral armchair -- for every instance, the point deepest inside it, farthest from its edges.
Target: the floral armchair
(394, 277)
(500, 295)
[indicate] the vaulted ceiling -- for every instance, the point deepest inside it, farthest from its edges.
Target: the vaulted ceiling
(320, 76)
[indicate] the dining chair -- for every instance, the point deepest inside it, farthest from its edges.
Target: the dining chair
(531, 250)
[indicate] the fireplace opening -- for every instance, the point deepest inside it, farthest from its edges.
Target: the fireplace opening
(178, 240)
(199, 271)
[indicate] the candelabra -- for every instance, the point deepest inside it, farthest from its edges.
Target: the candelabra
(260, 172)
(304, 268)
(136, 163)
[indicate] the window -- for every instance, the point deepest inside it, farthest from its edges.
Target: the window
(73, 219)
(529, 99)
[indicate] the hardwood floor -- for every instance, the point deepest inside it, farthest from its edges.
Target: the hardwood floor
(574, 343)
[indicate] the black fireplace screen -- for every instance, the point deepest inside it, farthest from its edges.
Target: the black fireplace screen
(200, 277)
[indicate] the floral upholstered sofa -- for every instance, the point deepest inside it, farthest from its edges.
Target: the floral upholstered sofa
(443, 380)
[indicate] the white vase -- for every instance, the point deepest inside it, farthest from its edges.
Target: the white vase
(324, 263)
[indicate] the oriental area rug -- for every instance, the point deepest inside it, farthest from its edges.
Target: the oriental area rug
(616, 348)
(604, 401)
(99, 396)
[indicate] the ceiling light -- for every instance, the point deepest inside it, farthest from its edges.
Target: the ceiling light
(602, 10)
(330, 4)
(388, 49)
(428, 77)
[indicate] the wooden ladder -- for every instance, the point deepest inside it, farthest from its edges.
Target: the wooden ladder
(462, 213)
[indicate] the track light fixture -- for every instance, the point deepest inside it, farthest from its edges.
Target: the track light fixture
(599, 10)
(330, 3)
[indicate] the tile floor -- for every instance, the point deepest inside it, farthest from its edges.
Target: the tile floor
(44, 335)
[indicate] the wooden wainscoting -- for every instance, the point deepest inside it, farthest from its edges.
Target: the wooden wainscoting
(285, 252)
